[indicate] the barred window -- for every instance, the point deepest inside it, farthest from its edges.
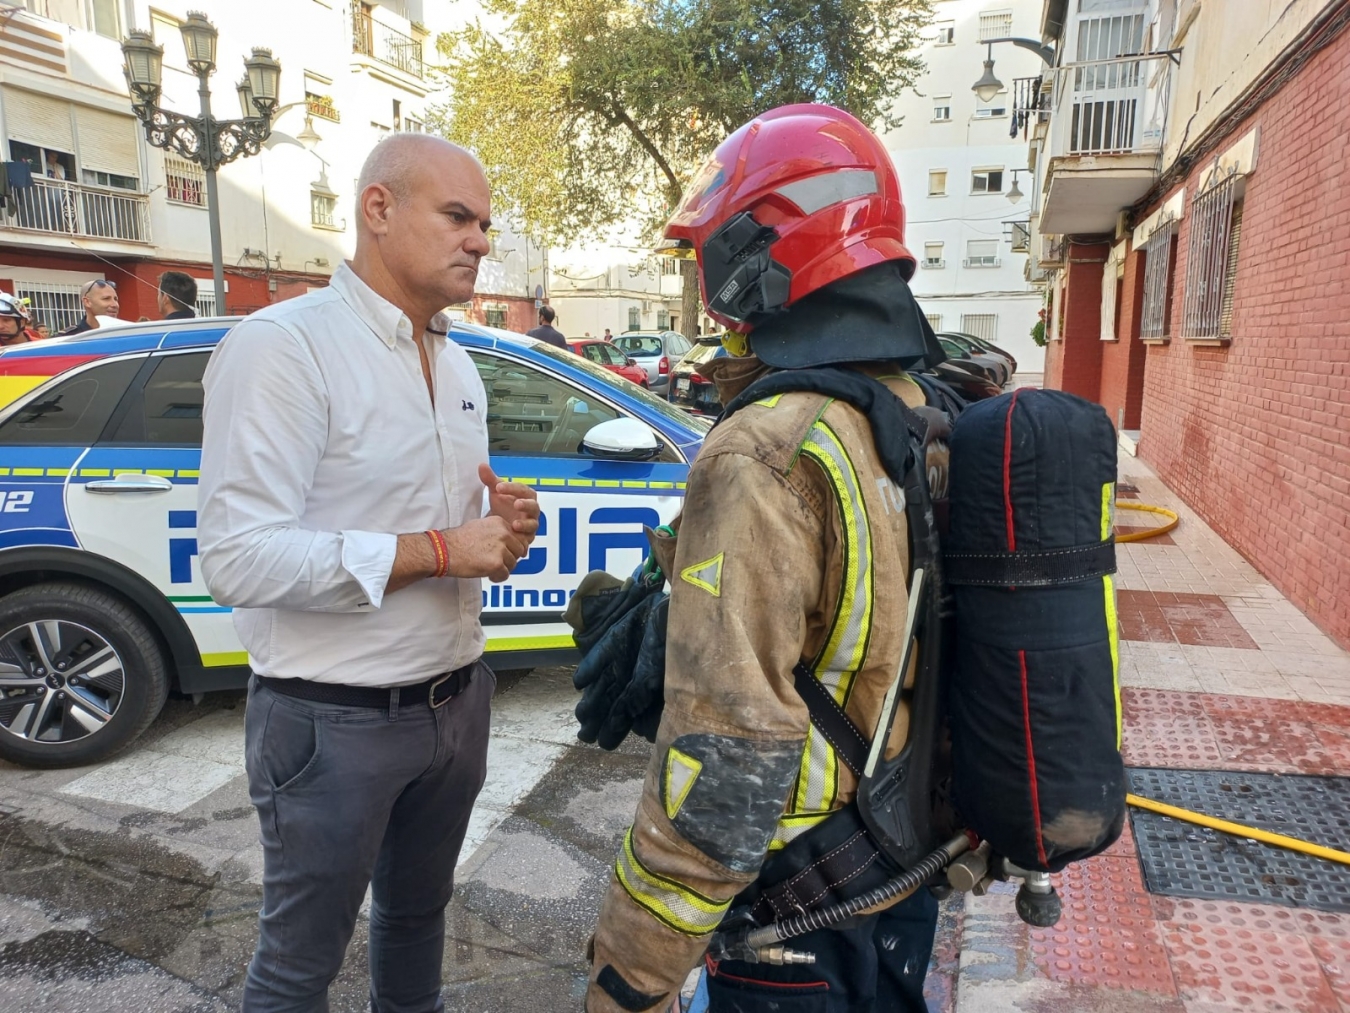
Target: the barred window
(185, 182)
(1211, 260)
(57, 305)
(934, 320)
(995, 25)
(494, 314)
(1159, 262)
(323, 211)
(206, 298)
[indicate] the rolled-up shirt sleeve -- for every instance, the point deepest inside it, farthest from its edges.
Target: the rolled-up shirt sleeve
(265, 429)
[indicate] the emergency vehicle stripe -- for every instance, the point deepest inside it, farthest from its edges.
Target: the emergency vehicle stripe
(669, 902)
(1113, 634)
(846, 645)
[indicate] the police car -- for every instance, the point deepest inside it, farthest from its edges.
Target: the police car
(102, 605)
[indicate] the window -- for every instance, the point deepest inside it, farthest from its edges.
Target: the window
(986, 181)
(165, 30)
(168, 409)
(494, 314)
(57, 306)
(982, 325)
(604, 354)
(1211, 261)
(413, 125)
(1019, 235)
(662, 319)
(319, 97)
(937, 182)
(185, 182)
(397, 118)
(95, 177)
(1159, 264)
(995, 107)
(995, 25)
(942, 108)
(670, 265)
(934, 320)
(946, 33)
(105, 18)
(982, 253)
(530, 412)
(634, 318)
(72, 413)
(932, 255)
(206, 298)
(323, 211)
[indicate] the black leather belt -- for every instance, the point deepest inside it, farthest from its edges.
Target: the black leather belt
(436, 692)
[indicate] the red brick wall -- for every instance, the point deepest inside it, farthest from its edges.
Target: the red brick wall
(1077, 362)
(1256, 436)
(1122, 374)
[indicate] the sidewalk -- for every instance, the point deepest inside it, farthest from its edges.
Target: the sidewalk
(1218, 672)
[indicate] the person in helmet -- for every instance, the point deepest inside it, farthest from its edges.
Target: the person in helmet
(13, 321)
(791, 553)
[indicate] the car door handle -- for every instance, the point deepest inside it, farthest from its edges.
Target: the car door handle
(131, 483)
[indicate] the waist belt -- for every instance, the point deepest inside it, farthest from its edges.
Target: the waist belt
(435, 692)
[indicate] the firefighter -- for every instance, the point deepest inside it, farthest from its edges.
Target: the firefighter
(791, 551)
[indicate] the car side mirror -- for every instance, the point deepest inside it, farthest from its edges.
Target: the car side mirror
(621, 440)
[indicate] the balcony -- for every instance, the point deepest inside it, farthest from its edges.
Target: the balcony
(388, 46)
(1106, 133)
(56, 207)
(1031, 104)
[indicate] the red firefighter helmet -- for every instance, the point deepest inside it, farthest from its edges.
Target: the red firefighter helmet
(794, 200)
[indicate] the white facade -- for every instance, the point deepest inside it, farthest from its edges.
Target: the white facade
(622, 288)
(956, 158)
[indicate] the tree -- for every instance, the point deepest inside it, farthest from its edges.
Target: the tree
(589, 114)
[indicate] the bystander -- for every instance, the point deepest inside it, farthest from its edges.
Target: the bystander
(99, 298)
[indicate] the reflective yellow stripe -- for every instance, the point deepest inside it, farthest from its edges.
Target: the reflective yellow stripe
(661, 485)
(58, 472)
(629, 484)
(771, 401)
(582, 483)
(4, 471)
(95, 472)
(27, 471)
(606, 483)
(670, 903)
(553, 481)
(1108, 504)
(1113, 634)
(846, 646)
(225, 658)
(161, 472)
(793, 825)
(189, 473)
(529, 643)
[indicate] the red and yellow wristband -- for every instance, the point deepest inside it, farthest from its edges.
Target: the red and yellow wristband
(441, 551)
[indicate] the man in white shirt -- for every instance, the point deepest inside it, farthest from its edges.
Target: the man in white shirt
(344, 466)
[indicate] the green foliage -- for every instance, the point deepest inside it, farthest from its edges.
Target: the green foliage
(592, 113)
(1038, 333)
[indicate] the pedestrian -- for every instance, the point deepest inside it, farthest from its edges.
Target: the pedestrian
(546, 331)
(99, 298)
(13, 321)
(343, 478)
(177, 297)
(791, 560)
(608, 337)
(43, 331)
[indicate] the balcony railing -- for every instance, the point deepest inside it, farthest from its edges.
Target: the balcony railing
(1111, 107)
(72, 209)
(1031, 104)
(380, 42)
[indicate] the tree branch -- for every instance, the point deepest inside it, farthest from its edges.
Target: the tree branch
(674, 190)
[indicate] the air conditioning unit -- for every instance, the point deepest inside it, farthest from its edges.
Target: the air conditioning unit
(646, 305)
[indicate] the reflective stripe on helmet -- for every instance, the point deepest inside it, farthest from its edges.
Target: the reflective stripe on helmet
(816, 192)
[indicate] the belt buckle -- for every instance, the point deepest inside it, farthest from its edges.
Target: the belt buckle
(431, 691)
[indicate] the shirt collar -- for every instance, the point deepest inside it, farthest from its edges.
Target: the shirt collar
(384, 318)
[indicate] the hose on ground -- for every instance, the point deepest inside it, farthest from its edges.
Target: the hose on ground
(1139, 536)
(1238, 830)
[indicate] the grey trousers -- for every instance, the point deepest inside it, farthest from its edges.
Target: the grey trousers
(350, 797)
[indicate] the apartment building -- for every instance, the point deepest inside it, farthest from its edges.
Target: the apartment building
(620, 287)
(1191, 229)
(103, 203)
(963, 169)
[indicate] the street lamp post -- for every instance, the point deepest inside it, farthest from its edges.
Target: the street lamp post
(203, 139)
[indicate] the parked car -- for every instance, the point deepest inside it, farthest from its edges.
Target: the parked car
(976, 349)
(102, 606)
(988, 346)
(607, 355)
(655, 351)
(967, 384)
(985, 366)
(691, 389)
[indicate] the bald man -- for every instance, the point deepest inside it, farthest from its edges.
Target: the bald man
(341, 513)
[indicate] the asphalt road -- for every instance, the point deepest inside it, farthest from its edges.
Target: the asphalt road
(134, 886)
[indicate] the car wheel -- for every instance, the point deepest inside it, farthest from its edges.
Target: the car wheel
(81, 675)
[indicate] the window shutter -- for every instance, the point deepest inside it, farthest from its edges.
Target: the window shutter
(38, 120)
(107, 142)
(1230, 273)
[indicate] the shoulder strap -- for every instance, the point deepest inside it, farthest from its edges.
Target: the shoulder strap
(830, 720)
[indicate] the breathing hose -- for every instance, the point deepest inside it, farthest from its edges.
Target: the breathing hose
(927, 867)
(1139, 536)
(1238, 830)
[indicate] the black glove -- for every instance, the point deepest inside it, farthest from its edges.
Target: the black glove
(639, 704)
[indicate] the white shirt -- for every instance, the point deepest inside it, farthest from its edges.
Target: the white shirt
(321, 446)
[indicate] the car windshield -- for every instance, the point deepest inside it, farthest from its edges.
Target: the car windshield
(650, 401)
(702, 353)
(639, 344)
(952, 348)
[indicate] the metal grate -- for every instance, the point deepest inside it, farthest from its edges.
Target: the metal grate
(1184, 860)
(1158, 256)
(1208, 255)
(56, 305)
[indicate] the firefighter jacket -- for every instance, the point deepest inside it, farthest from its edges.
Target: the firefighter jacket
(792, 547)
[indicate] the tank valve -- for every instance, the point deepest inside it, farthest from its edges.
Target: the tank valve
(970, 872)
(782, 955)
